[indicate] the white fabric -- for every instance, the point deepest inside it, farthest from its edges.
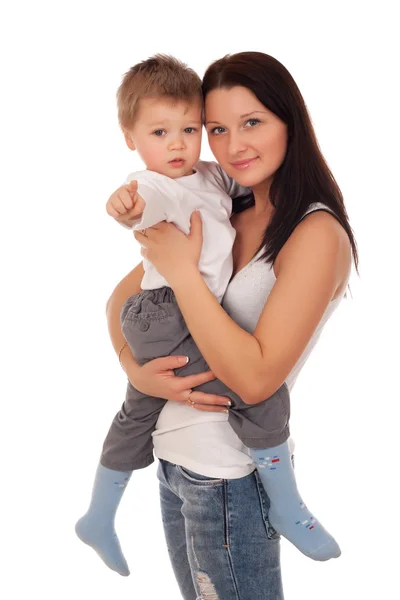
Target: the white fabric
(205, 442)
(208, 189)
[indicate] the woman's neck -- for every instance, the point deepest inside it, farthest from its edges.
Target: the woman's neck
(262, 205)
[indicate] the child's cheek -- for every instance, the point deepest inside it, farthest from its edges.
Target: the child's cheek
(152, 157)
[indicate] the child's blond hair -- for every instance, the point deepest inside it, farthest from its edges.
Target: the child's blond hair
(160, 76)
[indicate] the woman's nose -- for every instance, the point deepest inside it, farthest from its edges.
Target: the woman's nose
(236, 144)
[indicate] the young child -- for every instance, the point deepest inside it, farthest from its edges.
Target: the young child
(160, 113)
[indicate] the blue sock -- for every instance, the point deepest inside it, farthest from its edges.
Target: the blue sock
(96, 527)
(288, 514)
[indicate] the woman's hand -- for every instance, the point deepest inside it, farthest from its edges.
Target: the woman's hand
(170, 250)
(156, 378)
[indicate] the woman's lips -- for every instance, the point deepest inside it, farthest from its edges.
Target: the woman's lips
(243, 164)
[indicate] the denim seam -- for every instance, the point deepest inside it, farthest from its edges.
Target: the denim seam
(227, 533)
(226, 517)
(264, 511)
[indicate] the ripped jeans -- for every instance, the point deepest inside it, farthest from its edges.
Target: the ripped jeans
(218, 537)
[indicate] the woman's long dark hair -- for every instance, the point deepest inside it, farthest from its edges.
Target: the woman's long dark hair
(304, 177)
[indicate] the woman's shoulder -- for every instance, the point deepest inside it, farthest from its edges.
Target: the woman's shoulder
(319, 229)
(319, 238)
(321, 219)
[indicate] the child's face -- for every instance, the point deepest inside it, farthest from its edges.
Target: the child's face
(167, 135)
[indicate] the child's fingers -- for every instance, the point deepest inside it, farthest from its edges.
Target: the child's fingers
(111, 210)
(132, 187)
(126, 202)
(116, 203)
(129, 215)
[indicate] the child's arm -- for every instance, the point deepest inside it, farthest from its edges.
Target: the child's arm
(125, 205)
(160, 199)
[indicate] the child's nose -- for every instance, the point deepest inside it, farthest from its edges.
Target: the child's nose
(177, 143)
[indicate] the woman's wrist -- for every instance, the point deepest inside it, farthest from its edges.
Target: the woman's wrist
(120, 351)
(127, 361)
(189, 273)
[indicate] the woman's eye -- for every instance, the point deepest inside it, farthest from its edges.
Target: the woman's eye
(252, 122)
(217, 130)
(159, 132)
(189, 129)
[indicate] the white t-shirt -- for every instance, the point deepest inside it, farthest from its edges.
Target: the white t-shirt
(209, 190)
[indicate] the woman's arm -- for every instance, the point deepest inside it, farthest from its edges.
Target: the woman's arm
(157, 377)
(314, 262)
(127, 287)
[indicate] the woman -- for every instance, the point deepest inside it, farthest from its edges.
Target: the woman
(292, 260)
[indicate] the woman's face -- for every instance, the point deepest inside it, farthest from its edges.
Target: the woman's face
(247, 139)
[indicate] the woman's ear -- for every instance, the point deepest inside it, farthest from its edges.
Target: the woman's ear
(129, 140)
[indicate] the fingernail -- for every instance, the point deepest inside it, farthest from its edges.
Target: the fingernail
(184, 360)
(229, 403)
(226, 411)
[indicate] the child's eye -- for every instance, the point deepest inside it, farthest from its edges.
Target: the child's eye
(217, 130)
(252, 122)
(189, 129)
(159, 132)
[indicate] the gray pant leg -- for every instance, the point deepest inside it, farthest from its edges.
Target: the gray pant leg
(262, 425)
(128, 445)
(154, 326)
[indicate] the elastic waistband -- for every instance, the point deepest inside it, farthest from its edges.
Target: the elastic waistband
(163, 294)
(150, 305)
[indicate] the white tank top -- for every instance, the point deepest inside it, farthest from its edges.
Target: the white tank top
(205, 442)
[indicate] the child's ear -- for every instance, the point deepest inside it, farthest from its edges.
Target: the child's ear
(129, 140)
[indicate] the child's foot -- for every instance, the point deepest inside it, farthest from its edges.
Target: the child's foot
(96, 527)
(288, 514)
(302, 529)
(103, 539)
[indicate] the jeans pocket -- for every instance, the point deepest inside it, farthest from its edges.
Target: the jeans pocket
(197, 478)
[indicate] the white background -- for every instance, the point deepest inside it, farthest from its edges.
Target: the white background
(61, 256)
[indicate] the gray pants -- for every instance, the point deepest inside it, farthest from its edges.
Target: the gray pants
(153, 326)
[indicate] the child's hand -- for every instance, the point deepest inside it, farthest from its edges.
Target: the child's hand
(126, 205)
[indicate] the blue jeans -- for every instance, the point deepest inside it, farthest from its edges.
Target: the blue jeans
(218, 537)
